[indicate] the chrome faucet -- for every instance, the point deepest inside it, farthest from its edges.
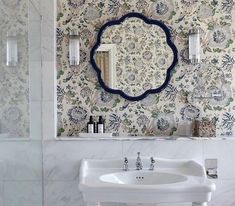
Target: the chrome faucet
(125, 165)
(138, 164)
(151, 167)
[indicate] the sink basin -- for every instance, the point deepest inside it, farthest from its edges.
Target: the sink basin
(142, 178)
(171, 181)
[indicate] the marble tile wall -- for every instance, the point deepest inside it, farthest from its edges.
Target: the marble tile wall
(62, 159)
(20, 173)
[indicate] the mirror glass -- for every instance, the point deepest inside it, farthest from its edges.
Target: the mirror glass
(133, 56)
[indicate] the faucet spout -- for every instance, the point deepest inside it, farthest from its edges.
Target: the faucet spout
(139, 165)
(152, 163)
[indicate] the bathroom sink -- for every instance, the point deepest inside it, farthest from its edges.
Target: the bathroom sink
(142, 178)
(170, 181)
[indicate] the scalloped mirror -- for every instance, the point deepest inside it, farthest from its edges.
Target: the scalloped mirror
(134, 56)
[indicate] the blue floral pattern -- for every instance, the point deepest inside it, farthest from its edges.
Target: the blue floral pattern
(193, 90)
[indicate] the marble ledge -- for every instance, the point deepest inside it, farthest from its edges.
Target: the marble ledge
(143, 138)
(117, 138)
(20, 139)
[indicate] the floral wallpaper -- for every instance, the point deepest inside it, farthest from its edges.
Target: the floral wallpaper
(204, 91)
(14, 81)
(142, 55)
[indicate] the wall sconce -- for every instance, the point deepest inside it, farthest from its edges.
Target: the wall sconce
(194, 46)
(12, 51)
(74, 53)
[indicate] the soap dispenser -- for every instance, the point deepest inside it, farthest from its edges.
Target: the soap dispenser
(91, 126)
(100, 125)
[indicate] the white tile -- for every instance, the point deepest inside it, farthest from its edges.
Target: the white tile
(62, 194)
(2, 193)
(48, 119)
(164, 149)
(48, 9)
(48, 40)
(146, 148)
(34, 10)
(181, 150)
(35, 82)
(62, 158)
(23, 193)
(225, 153)
(48, 48)
(34, 39)
(224, 194)
(49, 81)
(22, 160)
(2, 170)
(35, 120)
(118, 204)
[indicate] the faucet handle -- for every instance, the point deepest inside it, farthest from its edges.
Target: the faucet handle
(125, 165)
(138, 153)
(152, 160)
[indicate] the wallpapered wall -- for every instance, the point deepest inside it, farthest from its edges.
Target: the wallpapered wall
(79, 94)
(14, 81)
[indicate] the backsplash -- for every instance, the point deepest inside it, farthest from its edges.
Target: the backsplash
(188, 95)
(14, 89)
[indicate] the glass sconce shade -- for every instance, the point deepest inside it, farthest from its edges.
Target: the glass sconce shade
(74, 54)
(12, 51)
(194, 46)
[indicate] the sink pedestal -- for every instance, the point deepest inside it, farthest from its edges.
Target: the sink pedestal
(199, 204)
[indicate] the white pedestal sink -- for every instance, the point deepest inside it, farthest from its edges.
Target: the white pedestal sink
(171, 181)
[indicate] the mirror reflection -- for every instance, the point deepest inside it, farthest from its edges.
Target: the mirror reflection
(134, 56)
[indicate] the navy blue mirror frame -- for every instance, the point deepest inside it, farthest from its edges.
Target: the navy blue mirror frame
(169, 70)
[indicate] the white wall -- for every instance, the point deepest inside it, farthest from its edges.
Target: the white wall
(62, 158)
(20, 173)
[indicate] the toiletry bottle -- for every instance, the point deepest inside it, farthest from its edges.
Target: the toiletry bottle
(100, 125)
(91, 126)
